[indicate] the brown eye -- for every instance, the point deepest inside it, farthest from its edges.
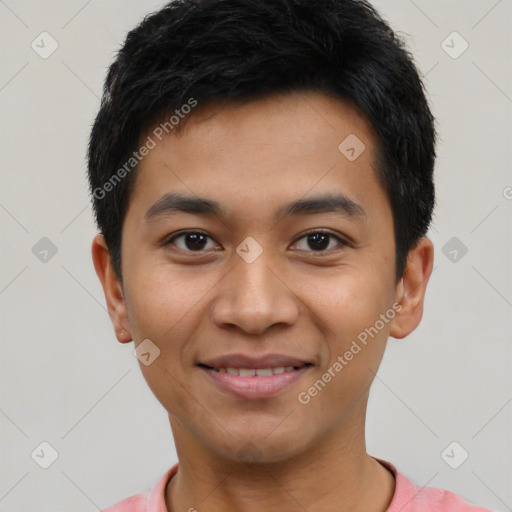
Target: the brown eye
(318, 241)
(193, 241)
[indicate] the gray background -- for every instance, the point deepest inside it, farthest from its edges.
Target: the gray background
(67, 381)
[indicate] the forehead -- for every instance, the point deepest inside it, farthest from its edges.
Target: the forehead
(262, 154)
(300, 124)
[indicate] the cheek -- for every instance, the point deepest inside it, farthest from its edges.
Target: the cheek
(347, 302)
(162, 297)
(350, 310)
(165, 306)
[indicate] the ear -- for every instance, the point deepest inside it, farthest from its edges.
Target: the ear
(111, 288)
(410, 292)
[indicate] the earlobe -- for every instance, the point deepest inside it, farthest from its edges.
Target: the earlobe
(123, 336)
(411, 289)
(112, 288)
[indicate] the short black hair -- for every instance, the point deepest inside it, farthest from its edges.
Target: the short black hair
(241, 50)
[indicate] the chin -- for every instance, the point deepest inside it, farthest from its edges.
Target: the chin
(262, 448)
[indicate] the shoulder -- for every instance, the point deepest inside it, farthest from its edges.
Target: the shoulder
(431, 498)
(409, 497)
(153, 501)
(135, 503)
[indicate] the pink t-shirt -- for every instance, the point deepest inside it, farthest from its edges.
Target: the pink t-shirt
(408, 497)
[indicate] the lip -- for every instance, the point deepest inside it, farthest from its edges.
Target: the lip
(245, 361)
(256, 387)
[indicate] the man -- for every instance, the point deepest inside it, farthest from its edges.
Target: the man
(262, 178)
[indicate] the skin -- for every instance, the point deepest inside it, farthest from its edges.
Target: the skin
(293, 299)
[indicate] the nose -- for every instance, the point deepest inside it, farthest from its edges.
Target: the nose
(254, 297)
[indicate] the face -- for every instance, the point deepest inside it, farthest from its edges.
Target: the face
(282, 270)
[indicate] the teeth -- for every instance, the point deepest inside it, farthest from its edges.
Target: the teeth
(264, 372)
(251, 372)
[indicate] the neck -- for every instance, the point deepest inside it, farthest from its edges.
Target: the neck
(334, 475)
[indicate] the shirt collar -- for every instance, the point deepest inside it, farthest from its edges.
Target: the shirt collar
(404, 489)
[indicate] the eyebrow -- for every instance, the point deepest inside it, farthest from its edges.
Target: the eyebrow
(174, 203)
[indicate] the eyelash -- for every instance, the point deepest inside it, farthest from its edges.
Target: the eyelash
(342, 243)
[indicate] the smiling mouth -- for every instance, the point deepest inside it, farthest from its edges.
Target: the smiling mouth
(255, 383)
(256, 372)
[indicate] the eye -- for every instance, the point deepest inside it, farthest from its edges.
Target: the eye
(193, 241)
(320, 240)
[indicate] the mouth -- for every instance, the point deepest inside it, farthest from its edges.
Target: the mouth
(253, 372)
(254, 383)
